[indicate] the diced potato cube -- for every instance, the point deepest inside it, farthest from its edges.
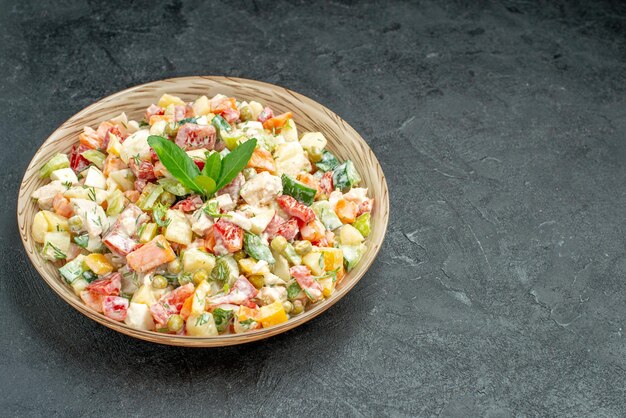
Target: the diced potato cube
(195, 259)
(136, 145)
(115, 146)
(55, 222)
(198, 304)
(56, 245)
(179, 228)
(315, 262)
(250, 266)
(201, 325)
(144, 295)
(39, 227)
(98, 263)
(201, 106)
(168, 99)
(273, 314)
(328, 286)
(349, 235)
(138, 316)
(124, 179)
(290, 131)
(312, 140)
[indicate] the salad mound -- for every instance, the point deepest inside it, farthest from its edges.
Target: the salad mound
(203, 218)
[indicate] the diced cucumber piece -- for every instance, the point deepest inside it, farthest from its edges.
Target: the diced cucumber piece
(57, 162)
(362, 224)
(174, 187)
(291, 255)
(115, 202)
(298, 190)
(326, 214)
(74, 269)
(149, 196)
(95, 157)
(255, 248)
(148, 232)
(352, 255)
(345, 176)
(328, 162)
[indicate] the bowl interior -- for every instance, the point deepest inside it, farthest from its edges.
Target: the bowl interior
(308, 115)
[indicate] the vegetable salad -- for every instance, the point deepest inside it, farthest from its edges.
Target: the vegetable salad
(203, 218)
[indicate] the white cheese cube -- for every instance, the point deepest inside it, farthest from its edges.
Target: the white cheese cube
(64, 175)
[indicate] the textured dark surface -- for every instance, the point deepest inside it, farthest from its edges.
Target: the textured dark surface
(500, 289)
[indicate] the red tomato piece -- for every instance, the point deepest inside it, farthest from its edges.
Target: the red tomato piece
(190, 204)
(115, 307)
(288, 229)
(272, 228)
(143, 171)
(154, 110)
(77, 162)
(239, 294)
(109, 285)
(326, 183)
(296, 209)
(231, 115)
(309, 285)
(191, 136)
(161, 312)
(93, 300)
(365, 206)
(265, 114)
(121, 237)
(176, 298)
(229, 235)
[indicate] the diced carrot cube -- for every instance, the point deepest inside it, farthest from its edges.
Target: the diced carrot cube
(346, 211)
(155, 118)
(185, 311)
(151, 255)
(98, 263)
(246, 313)
(262, 160)
(277, 122)
(273, 314)
(333, 258)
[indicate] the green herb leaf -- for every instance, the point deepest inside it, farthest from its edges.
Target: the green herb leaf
(222, 317)
(82, 240)
(212, 166)
(207, 184)
(176, 161)
(293, 290)
(158, 213)
(234, 162)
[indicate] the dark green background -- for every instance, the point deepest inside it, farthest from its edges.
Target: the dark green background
(500, 289)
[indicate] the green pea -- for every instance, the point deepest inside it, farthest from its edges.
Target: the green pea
(200, 275)
(175, 323)
(303, 247)
(279, 244)
(298, 307)
(159, 282)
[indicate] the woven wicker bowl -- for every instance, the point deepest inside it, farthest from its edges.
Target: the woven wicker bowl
(309, 116)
